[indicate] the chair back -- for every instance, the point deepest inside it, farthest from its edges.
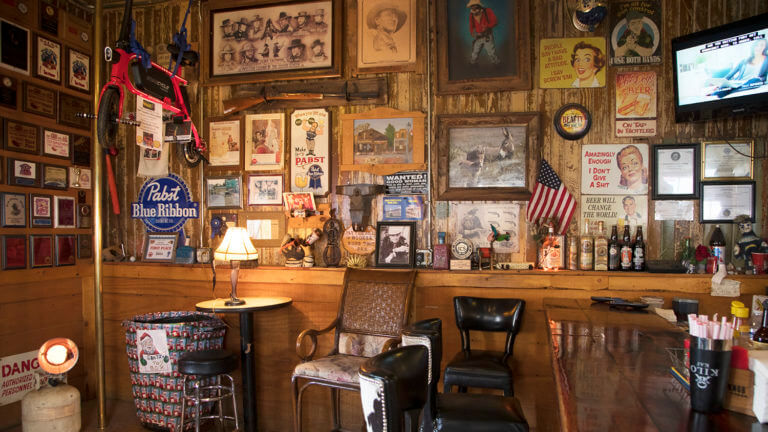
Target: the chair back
(393, 389)
(489, 314)
(374, 308)
(428, 333)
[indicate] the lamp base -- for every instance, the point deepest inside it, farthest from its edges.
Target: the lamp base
(234, 302)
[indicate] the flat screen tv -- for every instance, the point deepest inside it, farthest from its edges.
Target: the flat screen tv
(722, 71)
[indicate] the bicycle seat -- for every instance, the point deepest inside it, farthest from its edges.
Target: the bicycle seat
(189, 58)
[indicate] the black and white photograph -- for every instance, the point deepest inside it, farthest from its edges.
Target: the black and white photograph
(473, 221)
(265, 189)
(395, 244)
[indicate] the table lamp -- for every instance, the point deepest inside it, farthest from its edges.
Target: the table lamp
(235, 247)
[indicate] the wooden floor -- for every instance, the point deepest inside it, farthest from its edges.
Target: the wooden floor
(121, 417)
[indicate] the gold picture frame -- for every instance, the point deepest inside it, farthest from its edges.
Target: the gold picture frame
(725, 160)
(274, 220)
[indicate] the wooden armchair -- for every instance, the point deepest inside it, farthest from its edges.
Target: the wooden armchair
(374, 309)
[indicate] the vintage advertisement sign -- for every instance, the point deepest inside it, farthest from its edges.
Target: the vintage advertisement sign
(613, 210)
(264, 141)
(309, 151)
(614, 169)
(402, 208)
(149, 133)
(17, 375)
(572, 62)
(635, 104)
(635, 36)
(407, 183)
(152, 351)
(165, 204)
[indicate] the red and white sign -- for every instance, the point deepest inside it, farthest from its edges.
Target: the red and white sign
(636, 128)
(17, 375)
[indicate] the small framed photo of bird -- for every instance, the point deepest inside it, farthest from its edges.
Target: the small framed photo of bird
(486, 157)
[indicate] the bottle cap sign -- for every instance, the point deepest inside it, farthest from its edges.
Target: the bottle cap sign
(165, 204)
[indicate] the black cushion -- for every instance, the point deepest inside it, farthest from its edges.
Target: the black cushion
(478, 369)
(213, 362)
(461, 412)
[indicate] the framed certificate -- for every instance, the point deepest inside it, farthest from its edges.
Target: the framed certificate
(675, 172)
(727, 160)
(723, 201)
(70, 107)
(56, 144)
(160, 247)
(21, 137)
(39, 100)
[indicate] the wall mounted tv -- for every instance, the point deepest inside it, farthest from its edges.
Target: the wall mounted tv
(722, 71)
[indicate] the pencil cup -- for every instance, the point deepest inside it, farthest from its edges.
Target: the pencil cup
(710, 366)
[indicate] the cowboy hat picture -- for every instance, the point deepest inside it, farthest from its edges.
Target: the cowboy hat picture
(375, 12)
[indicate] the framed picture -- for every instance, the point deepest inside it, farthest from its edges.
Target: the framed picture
(274, 40)
(386, 35)
(572, 62)
(21, 137)
(14, 252)
(81, 150)
(395, 244)
(266, 229)
(84, 246)
(382, 141)
(265, 189)
(301, 201)
(727, 160)
(675, 172)
(66, 249)
(264, 142)
(13, 212)
(40, 210)
(69, 107)
(78, 70)
(55, 177)
(472, 58)
(23, 173)
(64, 209)
(49, 19)
(14, 47)
(310, 151)
(225, 141)
(56, 144)
(224, 192)
(160, 247)
(486, 156)
(48, 59)
(41, 251)
(722, 201)
(9, 91)
(39, 100)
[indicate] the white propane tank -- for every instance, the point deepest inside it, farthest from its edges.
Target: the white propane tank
(51, 409)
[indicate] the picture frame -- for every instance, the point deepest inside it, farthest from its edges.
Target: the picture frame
(675, 172)
(78, 70)
(380, 46)
(264, 142)
(64, 212)
(14, 251)
(266, 229)
(225, 141)
(310, 159)
(224, 192)
(726, 160)
(723, 201)
(21, 137)
(395, 244)
(48, 59)
(160, 248)
(365, 146)
(40, 250)
(14, 47)
(13, 210)
(298, 201)
(486, 156)
(55, 177)
(39, 100)
(40, 210)
(69, 107)
(66, 250)
(23, 173)
(81, 150)
(49, 19)
(265, 189)
(302, 46)
(56, 144)
(511, 70)
(84, 246)
(9, 91)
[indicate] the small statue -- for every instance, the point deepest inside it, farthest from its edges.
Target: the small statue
(748, 243)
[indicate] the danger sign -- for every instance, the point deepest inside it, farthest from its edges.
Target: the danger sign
(17, 375)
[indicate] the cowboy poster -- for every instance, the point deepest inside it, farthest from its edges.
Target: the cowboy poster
(152, 351)
(635, 36)
(386, 33)
(309, 151)
(635, 104)
(572, 63)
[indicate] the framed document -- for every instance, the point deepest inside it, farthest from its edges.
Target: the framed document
(64, 212)
(160, 247)
(84, 246)
(225, 141)
(49, 18)
(723, 201)
(21, 137)
(41, 250)
(23, 173)
(39, 100)
(66, 248)
(55, 177)
(13, 210)
(675, 172)
(56, 144)
(48, 59)
(727, 160)
(14, 252)
(81, 150)
(78, 70)
(40, 210)
(70, 106)
(8, 91)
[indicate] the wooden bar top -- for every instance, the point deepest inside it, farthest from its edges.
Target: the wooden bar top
(612, 372)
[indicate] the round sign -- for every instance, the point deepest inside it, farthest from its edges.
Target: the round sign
(572, 121)
(359, 242)
(165, 204)
(461, 248)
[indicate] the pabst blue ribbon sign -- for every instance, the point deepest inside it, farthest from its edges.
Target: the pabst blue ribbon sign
(165, 204)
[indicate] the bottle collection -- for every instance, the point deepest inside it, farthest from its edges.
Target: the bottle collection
(594, 251)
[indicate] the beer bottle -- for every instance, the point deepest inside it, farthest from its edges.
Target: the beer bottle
(717, 245)
(573, 253)
(614, 250)
(761, 335)
(586, 248)
(601, 248)
(626, 250)
(638, 251)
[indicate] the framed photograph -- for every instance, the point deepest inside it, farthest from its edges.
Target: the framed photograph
(66, 250)
(14, 47)
(310, 151)
(69, 107)
(81, 150)
(395, 244)
(14, 252)
(274, 40)
(471, 57)
(264, 142)
(224, 192)
(382, 141)
(675, 172)
(21, 137)
(265, 189)
(225, 141)
(266, 229)
(78, 70)
(9, 91)
(13, 212)
(732, 160)
(302, 201)
(486, 156)
(56, 144)
(722, 201)
(40, 210)
(64, 209)
(23, 173)
(48, 59)
(386, 35)
(55, 177)
(41, 251)
(160, 247)
(39, 100)
(84, 246)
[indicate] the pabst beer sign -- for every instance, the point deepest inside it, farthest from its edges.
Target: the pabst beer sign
(165, 204)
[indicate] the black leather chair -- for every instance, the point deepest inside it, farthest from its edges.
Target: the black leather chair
(486, 369)
(456, 412)
(393, 389)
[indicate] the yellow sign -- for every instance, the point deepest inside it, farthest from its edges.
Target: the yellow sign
(572, 62)
(359, 242)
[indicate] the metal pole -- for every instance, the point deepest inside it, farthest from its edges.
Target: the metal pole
(429, 123)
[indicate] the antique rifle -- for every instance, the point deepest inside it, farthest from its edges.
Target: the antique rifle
(243, 103)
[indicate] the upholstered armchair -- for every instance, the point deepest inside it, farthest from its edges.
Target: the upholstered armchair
(374, 309)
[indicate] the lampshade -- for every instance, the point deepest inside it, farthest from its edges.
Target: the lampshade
(236, 246)
(58, 356)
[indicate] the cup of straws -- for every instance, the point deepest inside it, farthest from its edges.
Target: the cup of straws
(710, 361)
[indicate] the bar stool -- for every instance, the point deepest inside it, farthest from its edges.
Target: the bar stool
(202, 371)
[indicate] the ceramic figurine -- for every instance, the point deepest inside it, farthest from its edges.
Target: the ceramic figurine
(748, 243)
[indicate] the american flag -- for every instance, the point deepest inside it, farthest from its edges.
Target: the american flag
(551, 199)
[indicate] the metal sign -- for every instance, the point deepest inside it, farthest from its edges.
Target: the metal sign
(165, 204)
(407, 182)
(17, 374)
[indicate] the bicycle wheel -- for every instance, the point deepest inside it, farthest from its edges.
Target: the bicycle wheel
(187, 152)
(106, 122)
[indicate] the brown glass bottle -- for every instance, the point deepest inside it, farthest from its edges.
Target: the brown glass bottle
(614, 251)
(761, 335)
(626, 250)
(638, 251)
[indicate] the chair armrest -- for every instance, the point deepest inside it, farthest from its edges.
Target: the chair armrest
(391, 344)
(312, 334)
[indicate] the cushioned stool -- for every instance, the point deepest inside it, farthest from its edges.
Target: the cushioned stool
(202, 372)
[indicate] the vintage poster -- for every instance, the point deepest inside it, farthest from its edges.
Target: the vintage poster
(407, 182)
(635, 36)
(264, 142)
(386, 32)
(153, 163)
(79, 70)
(614, 169)
(472, 221)
(224, 142)
(613, 210)
(310, 157)
(48, 59)
(636, 104)
(572, 63)
(149, 133)
(402, 208)
(152, 351)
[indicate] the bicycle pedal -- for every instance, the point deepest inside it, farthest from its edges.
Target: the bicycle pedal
(86, 115)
